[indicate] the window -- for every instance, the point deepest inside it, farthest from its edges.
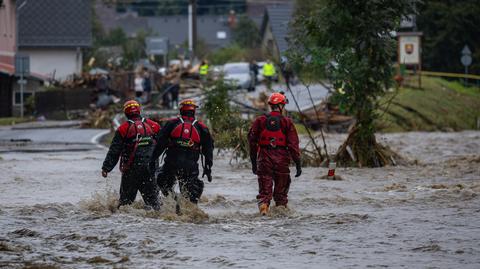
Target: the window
(221, 35)
(25, 96)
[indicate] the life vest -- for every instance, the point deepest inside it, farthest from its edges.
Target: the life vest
(185, 135)
(139, 144)
(273, 135)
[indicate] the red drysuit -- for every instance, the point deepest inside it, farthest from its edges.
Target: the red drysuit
(273, 143)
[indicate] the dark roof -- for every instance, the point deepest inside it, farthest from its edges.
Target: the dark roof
(176, 29)
(279, 17)
(131, 25)
(55, 23)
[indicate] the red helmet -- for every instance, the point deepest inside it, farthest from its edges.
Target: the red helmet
(131, 107)
(188, 104)
(277, 98)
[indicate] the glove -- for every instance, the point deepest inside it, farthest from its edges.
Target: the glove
(207, 171)
(254, 166)
(299, 169)
(104, 173)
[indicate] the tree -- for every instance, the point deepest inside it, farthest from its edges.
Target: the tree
(116, 37)
(227, 125)
(134, 48)
(246, 33)
(352, 41)
(447, 26)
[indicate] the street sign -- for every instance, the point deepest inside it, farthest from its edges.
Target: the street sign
(466, 56)
(466, 50)
(466, 60)
(408, 21)
(22, 65)
(157, 46)
(22, 70)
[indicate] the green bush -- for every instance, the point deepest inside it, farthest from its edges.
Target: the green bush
(228, 128)
(233, 53)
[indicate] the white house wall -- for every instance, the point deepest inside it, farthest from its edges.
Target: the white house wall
(55, 63)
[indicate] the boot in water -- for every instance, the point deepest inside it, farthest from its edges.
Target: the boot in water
(263, 209)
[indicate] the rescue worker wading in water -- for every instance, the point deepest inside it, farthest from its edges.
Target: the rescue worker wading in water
(273, 143)
(134, 142)
(184, 139)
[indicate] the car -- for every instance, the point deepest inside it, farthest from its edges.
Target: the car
(238, 74)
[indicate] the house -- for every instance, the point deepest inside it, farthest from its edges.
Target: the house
(52, 33)
(275, 28)
(212, 29)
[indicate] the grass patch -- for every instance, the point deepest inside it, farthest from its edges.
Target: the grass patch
(13, 120)
(440, 106)
(300, 129)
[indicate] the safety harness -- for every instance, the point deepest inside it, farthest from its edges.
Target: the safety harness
(142, 135)
(186, 135)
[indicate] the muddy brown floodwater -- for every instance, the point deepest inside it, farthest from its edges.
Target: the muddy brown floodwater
(57, 212)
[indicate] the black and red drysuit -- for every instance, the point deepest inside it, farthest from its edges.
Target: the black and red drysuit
(184, 139)
(133, 143)
(273, 143)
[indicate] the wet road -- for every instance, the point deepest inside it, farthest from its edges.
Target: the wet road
(48, 139)
(56, 210)
(300, 92)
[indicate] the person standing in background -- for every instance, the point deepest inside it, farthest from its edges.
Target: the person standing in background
(139, 87)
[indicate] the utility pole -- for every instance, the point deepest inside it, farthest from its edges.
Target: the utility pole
(192, 29)
(22, 65)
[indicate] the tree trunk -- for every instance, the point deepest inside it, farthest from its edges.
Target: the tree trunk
(361, 148)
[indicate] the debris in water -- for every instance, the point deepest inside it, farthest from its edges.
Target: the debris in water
(124, 259)
(428, 248)
(439, 186)
(395, 187)
(26, 233)
(5, 247)
(29, 265)
(98, 259)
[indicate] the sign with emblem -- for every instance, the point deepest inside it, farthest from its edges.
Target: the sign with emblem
(410, 53)
(409, 48)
